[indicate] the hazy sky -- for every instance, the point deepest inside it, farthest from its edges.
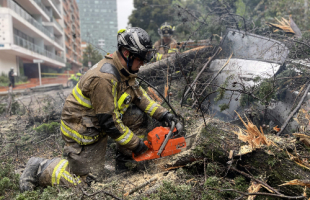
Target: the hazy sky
(124, 9)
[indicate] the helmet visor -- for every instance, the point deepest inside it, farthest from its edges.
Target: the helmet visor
(147, 55)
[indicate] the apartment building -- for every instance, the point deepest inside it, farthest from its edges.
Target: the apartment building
(99, 24)
(30, 29)
(72, 34)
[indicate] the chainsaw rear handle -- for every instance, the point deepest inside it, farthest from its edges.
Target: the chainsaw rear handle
(166, 139)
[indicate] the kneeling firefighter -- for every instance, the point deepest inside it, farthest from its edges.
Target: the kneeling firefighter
(107, 101)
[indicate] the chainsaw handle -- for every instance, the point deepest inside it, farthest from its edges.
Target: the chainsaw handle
(166, 139)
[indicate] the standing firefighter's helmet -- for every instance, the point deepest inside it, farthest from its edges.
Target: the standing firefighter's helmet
(137, 42)
(166, 30)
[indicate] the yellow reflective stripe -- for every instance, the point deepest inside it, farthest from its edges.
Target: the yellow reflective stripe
(125, 138)
(66, 175)
(116, 111)
(152, 107)
(81, 139)
(172, 50)
(159, 56)
(141, 136)
(153, 111)
(58, 170)
(164, 26)
(77, 93)
(121, 106)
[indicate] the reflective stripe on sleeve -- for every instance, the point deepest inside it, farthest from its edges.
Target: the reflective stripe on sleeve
(77, 93)
(58, 170)
(66, 175)
(81, 139)
(121, 105)
(152, 107)
(127, 134)
(125, 138)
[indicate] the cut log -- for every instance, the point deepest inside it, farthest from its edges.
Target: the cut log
(155, 69)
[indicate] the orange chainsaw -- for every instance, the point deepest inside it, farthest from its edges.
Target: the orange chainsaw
(161, 144)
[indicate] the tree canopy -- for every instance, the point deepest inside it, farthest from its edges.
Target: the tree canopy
(203, 18)
(92, 55)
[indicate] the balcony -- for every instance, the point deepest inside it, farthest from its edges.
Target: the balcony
(54, 6)
(32, 47)
(39, 3)
(21, 12)
(57, 24)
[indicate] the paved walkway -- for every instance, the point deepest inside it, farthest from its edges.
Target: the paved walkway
(34, 83)
(42, 88)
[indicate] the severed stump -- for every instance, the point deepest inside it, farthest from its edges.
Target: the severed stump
(278, 163)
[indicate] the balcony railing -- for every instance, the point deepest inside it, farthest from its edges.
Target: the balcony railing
(59, 41)
(56, 6)
(32, 47)
(57, 24)
(43, 7)
(21, 12)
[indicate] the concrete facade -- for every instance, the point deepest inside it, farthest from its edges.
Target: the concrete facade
(31, 29)
(72, 34)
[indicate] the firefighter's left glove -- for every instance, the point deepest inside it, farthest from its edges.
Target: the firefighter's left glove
(169, 118)
(140, 149)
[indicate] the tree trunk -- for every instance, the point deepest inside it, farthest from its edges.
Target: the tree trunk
(156, 69)
(215, 142)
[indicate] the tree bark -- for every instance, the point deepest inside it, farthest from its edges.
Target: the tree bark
(152, 69)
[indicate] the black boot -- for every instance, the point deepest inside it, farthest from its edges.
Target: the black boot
(29, 179)
(124, 163)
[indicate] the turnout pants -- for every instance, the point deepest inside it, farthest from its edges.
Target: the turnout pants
(85, 161)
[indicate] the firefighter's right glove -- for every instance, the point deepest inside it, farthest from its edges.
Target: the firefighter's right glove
(140, 149)
(169, 118)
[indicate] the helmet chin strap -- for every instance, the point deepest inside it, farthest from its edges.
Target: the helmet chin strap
(129, 61)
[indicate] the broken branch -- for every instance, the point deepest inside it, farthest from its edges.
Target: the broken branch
(294, 111)
(265, 194)
(140, 186)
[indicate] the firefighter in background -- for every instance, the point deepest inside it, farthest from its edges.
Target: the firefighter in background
(74, 79)
(107, 101)
(164, 46)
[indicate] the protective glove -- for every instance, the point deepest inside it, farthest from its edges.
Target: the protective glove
(140, 149)
(169, 118)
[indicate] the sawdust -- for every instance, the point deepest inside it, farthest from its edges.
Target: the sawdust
(254, 187)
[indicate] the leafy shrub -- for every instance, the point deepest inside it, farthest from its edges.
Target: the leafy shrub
(4, 79)
(8, 179)
(47, 128)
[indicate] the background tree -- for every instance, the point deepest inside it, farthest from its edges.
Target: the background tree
(92, 55)
(202, 19)
(150, 14)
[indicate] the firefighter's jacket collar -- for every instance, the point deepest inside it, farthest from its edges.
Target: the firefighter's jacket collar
(125, 74)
